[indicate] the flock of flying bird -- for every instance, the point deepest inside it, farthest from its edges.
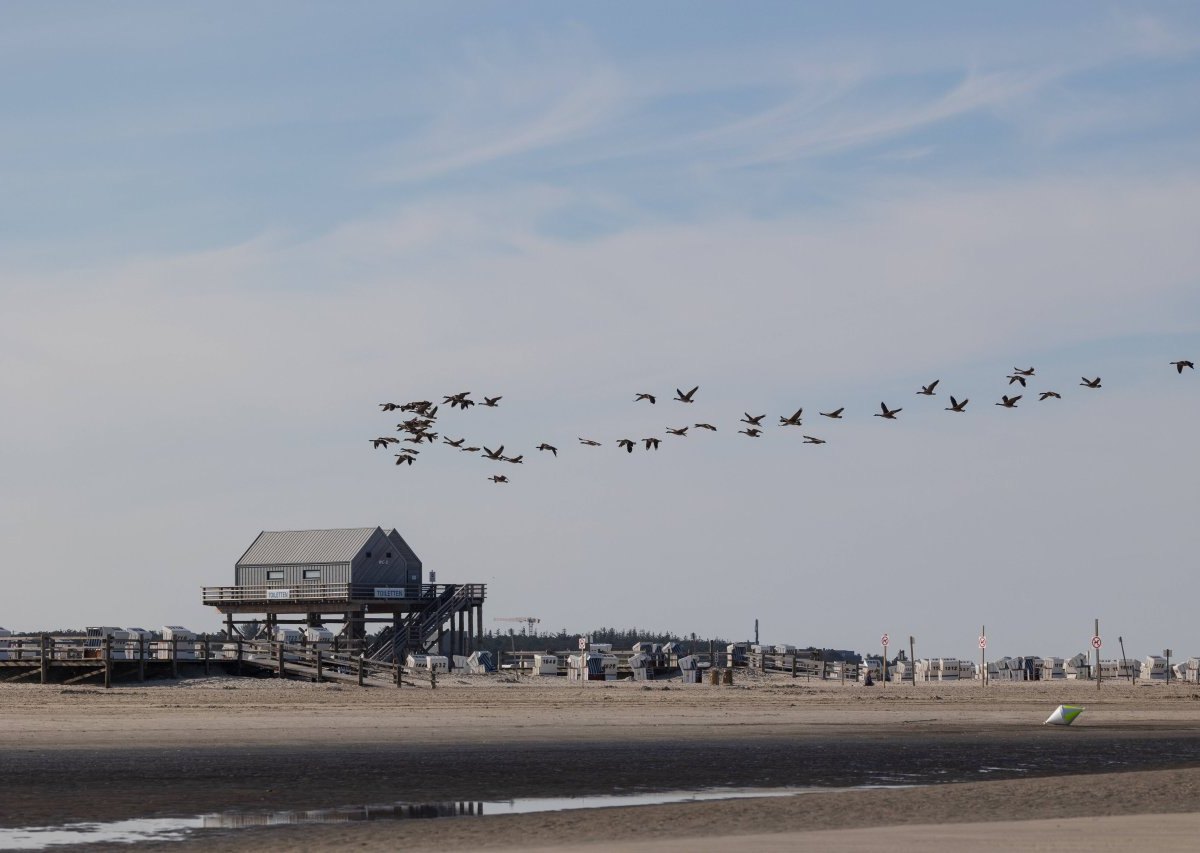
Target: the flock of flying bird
(419, 429)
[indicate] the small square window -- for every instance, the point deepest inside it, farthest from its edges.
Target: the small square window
(275, 574)
(388, 555)
(312, 574)
(368, 555)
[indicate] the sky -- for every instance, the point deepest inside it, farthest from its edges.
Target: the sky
(228, 231)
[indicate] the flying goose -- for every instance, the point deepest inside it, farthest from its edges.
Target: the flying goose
(550, 447)
(644, 396)
(589, 442)
(890, 414)
(459, 399)
(752, 432)
(383, 442)
(498, 478)
(686, 398)
(389, 407)
(709, 427)
(752, 420)
(1045, 395)
(793, 420)
(1008, 402)
(680, 431)
(468, 450)
(927, 390)
(836, 413)
(453, 442)
(651, 443)
(808, 439)
(627, 443)
(1019, 372)
(956, 406)
(1180, 365)
(1017, 377)
(1090, 383)
(404, 459)
(497, 454)
(492, 402)
(516, 460)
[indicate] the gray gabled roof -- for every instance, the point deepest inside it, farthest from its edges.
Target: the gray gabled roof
(296, 547)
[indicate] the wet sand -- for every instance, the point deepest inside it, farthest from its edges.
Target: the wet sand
(217, 744)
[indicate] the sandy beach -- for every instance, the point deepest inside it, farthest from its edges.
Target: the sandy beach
(931, 766)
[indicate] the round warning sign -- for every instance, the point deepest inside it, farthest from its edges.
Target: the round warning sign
(884, 640)
(1096, 642)
(983, 642)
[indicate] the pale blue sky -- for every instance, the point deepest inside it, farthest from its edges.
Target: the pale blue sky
(229, 230)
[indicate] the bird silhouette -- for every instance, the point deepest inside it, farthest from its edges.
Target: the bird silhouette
(516, 460)
(927, 390)
(708, 427)
(498, 478)
(890, 414)
(492, 402)
(497, 454)
(453, 442)
(404, 459)
(383, 441)
(550, 447)
(644, 396)
(1017, 377)
(1045, 395)
(808, 439)
(651, 443)
(627, 443)
(1019, 372)
(956, 406)
(1180, 365)
(468, 450)
(460, 400)
(1009, 402)
(589, 442)
(389, 407)
(686, 398)
(793, 419)
(752, 432)
(680, 431)
(836, 413)
(752, 420)
(1090, 383)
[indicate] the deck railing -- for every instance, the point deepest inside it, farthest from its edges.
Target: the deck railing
(311, 591)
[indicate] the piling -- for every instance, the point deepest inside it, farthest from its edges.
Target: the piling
(44, 643)
(107, 661)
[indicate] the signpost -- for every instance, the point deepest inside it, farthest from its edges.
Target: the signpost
(884, 641)
(1167, 655)
(912, 658)
(1096, 644)
(983, 656)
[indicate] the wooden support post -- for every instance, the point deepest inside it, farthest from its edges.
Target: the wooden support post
(912, 658)
(44, 650)
(279, 658)
(141, 657)
(360, 670)
(793, 664)
(239, 655)
(399, 673)
(207, 654)
(174, 656)
(318, 665)
(107, 661)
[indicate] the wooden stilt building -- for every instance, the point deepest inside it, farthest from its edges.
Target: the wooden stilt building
(354, 577)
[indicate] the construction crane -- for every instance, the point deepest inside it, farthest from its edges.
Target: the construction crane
(528, 620)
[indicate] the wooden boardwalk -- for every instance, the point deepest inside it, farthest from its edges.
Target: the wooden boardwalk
(57, 660)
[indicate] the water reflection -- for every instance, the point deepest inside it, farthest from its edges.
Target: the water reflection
(176, 829)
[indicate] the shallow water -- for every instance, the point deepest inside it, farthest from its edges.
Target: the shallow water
(176, 829)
